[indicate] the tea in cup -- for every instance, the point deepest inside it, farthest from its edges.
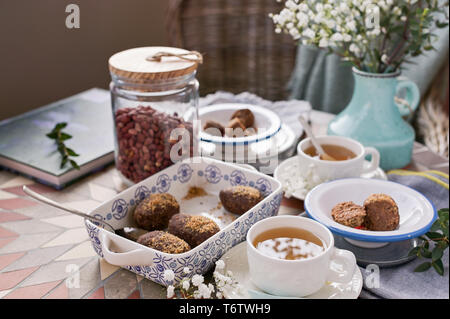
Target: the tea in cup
(349, 158)
(292, 256)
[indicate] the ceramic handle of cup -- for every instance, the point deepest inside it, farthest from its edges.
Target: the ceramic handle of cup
(375, 161)
(410, 100)
(347, 261)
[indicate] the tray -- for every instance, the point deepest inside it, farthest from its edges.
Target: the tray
(213, 176)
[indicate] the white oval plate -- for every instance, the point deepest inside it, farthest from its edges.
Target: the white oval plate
(289, 168)
(236, 261)
(417, 213)
(267, 122)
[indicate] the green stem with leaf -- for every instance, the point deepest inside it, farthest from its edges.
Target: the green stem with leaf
(438, 235)
(60, 137)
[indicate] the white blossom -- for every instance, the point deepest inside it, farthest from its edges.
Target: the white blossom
(170, 292)
(168, 275)
(220, 264)
(204, 291)
(337, 37)
(197, 280)
(186, 285)
(323, 43)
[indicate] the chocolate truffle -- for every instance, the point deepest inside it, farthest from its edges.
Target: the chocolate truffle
(239, 199)
(165, 242)
(214, 128)
(245, 116)
(193, 229)
(349, 214)
(382, 213)
(155, 211)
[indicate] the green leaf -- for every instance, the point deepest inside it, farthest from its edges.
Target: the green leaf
(414, 251)
(423, 267)
(71, 152)
(437, 253)
(441, 24)
(60, 126)
(439, 267)
(65, 137)
(434, 235)
(436, 225)
(443, 245)
(443, 214)
(64, 161)
(74, 164)
(52, 135)
(425, 252)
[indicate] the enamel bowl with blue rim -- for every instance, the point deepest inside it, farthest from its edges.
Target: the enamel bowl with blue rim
(209, 174)
(417, 213)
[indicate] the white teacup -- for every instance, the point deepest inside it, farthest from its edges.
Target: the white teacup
(331, 170)
(301, 277)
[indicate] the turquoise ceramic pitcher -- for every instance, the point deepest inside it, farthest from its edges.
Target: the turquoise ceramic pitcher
(374, 119)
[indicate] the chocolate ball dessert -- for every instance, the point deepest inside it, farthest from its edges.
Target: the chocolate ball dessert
(239, 199)
(214, 128)
(164, 242)
(382, 213)
(245, 116)
(155, 211)
(235, 128)
(349, 214)
(193, 229)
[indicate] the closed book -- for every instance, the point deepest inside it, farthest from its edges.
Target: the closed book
(25, 148)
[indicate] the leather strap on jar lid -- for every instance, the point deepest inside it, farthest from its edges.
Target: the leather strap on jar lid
(154, 63)
(184, 56)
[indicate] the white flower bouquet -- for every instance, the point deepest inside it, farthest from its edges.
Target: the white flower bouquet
(195, 287)
(373, 35)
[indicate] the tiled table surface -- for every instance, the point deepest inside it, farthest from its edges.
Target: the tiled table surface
(41, 248)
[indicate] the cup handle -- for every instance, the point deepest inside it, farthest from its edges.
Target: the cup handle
(409, 103)
(374, 163)
(346, 260)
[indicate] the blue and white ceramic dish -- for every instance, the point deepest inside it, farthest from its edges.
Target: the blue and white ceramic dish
(212, 176)
(417, 213)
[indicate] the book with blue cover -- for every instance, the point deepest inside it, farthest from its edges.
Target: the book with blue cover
(25, 148)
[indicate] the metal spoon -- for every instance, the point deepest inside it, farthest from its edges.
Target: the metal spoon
(50, 202)
(322, 154)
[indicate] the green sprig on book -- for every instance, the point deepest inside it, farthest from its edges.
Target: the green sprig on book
(438, 235)
(60, 137)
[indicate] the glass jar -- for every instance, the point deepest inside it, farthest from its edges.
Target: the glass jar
(155, 106)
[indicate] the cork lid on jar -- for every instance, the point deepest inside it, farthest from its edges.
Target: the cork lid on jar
(154, 63)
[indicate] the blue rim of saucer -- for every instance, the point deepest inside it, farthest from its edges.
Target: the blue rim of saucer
(246, 142)
(374, 238)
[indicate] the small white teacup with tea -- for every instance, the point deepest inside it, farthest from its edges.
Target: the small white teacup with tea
(348, 153)
(294, 256)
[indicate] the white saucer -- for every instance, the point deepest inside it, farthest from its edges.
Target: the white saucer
(289, 168)
(236, 261)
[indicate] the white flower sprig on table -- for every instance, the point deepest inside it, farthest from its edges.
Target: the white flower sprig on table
(298, 183)
(196, 287)
(373, 35)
